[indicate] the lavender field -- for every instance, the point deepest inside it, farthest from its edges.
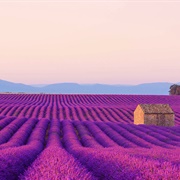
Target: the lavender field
(85, 137)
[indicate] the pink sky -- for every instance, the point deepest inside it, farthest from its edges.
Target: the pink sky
(111, 42)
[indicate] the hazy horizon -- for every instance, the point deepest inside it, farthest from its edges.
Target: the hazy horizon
(105, 42)
(42, 85)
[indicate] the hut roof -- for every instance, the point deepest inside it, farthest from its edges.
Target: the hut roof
(156, 108)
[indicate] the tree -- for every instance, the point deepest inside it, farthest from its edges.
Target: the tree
(174, 89)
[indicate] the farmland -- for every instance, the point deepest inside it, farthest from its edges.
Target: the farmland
(45, 136)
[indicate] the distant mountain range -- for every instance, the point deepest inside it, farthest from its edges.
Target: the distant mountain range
(157, 88)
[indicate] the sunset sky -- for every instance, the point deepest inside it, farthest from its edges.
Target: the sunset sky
(109, 42)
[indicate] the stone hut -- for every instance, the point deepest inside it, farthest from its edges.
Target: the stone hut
(154, 114)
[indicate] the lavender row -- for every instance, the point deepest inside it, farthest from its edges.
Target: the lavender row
(117, 164)
(54, 162)
(54, 134)
(15, 160)
(5, 121)
(120, 140)
(173, 136)
(86, 138)
(10, 129)
(86, 134)
(99, 135)
(70, 137)
(164, 140)
(113, 108)
(156, 153)
(20, 137)
(39, 99)
(129, 136)
(74, 113)
(39, 132)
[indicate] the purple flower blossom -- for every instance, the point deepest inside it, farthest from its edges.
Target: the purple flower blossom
(85, 137)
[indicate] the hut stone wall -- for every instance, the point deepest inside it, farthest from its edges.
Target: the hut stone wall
(138, 116)
(159, 119)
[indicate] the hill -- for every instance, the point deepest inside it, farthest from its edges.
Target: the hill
(157, 88)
